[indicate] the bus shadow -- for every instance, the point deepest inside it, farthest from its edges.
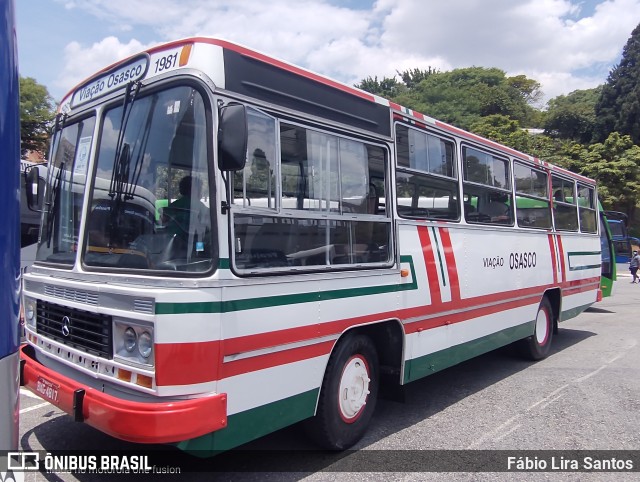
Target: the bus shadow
(288, 452)
(593, 309)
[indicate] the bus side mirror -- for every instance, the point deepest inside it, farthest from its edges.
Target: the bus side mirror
(31, 188)
(232, 137)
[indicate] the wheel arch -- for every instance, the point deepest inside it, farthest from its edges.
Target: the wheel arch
(554, 295)
(389, 339)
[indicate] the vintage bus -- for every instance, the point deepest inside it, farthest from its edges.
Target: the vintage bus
(10, 233)
(299, 244)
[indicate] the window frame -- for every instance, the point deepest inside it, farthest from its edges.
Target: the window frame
(591, 209)
(529, 195)
(564, 203)
(488, 188)
(281, 215)
(423, 175)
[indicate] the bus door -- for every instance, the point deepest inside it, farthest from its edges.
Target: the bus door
(608, 275)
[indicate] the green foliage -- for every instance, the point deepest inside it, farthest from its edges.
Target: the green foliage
(387, 87)
(413, 77)
(36, 114)
(462, 96)
(615, 164)
(573, 116)
(504, 130)
(618, 108)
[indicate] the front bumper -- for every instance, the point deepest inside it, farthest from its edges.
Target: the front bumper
(142, 422)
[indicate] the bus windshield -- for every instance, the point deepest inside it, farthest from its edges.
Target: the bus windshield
(149, 205)
(66, 178)
(149, 200)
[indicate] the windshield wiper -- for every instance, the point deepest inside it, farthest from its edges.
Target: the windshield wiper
(117, 180)
(51, 203)
(121, 162)
(137, 167)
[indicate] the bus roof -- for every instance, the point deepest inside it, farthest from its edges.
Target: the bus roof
(254, 74)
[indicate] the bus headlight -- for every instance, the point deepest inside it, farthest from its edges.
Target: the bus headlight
(144, 344)
(130, 339)
(30, 312)
(133, 341)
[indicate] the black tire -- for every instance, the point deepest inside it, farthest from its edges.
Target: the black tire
(341, 421)
(538, 345)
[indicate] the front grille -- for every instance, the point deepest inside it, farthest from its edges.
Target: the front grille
(80, 329)
(71, 294)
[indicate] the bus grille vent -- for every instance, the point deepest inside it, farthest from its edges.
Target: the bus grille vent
(91, 332)
(72, 294)
(143, 306)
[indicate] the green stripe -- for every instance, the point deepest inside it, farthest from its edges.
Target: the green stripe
(254, 423)
(583, 253)
(282, 300)
(586, 266)
(444, 280)
(434, 362)
(223, 263)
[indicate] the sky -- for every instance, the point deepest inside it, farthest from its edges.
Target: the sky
(563, 44)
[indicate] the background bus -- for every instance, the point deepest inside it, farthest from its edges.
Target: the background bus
(622, 242)
(10, 232)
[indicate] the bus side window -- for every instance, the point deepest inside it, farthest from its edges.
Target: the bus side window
(565, 213)
(426, 180)
(486, 179)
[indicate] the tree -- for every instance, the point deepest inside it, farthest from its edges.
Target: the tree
(462, 96)
(36, 114)
(618, 108)
(615, 164)
(573, 116)
(504, 130)
(387, 87)
(413, 77)
(529, 89)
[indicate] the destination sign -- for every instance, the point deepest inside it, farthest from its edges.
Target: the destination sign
(111, 81)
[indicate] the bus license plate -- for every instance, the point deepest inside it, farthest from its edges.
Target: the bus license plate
(47, 389)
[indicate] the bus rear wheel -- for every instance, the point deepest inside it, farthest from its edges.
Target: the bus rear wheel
(348, 394)
(538, 345)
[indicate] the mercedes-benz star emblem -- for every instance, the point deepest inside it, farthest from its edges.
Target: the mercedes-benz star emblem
(66, 326)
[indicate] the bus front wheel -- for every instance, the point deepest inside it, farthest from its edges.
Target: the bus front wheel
(348, 394)
(537, 346)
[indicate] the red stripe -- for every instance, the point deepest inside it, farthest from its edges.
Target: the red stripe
(580, 289)
(452, 318)
(259, 341)
(554, 264)
(452, 269)
(187, 363)
(270, 360)
(430, 263)
(202, 359)
(562, 265)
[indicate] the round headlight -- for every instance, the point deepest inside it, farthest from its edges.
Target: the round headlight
(30, 311)
(130, 339)
(144, 344)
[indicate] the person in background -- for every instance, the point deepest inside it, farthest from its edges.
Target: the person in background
(634, 264)
(189, 203)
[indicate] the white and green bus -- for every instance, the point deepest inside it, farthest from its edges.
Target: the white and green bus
(256, 245)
